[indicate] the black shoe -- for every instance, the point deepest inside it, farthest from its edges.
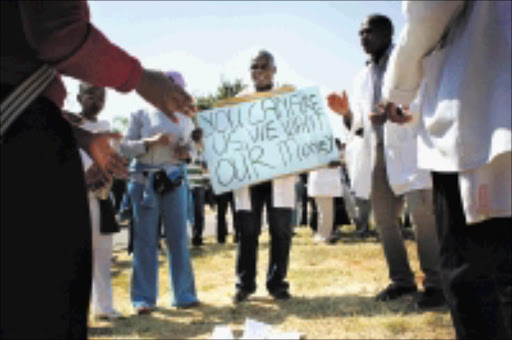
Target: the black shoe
(361, 233)
(431, 298)
(281, 295)
(394, 291)
(240, 296)
(197, 242)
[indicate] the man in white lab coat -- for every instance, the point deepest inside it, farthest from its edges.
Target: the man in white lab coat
(388, 174)
(456, 55)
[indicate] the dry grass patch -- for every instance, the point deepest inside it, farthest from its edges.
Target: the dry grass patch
(333, 291)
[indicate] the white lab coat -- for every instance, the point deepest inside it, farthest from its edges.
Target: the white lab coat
(399, 147)
(465, 101)
(325, 182)
(283, 194)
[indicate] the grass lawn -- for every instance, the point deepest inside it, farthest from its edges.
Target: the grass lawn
(333, 288)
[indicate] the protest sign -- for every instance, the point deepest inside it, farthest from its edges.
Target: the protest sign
(259, 140)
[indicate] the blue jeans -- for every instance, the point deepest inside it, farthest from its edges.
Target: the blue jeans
(147, 206)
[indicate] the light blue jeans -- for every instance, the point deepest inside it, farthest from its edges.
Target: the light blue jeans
(147, 206)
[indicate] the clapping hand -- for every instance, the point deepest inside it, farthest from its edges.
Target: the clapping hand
(338, 104)
(396, 114)
(378, 115)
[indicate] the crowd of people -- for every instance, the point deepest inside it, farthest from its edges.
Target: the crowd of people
(429, 125)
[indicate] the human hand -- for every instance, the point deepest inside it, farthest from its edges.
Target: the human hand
(162, 139)
(338, 104)
(164, 94)
(378, 115)
(98, 146)
(182, 152)
(396, 114)
(95, 177)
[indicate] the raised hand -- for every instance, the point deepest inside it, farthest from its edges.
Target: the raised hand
(164, 94)
(338, 104)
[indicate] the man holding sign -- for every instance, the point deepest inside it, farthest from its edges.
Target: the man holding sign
(255, 148)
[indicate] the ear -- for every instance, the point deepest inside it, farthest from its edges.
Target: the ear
(274, 69)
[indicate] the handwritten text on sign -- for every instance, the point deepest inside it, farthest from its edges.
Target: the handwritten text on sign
(259, 140)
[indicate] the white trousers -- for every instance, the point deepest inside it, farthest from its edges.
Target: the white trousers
(101, 263)
(325, 215)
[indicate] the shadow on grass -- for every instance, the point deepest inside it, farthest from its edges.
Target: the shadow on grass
(210, 249)
(168, 322)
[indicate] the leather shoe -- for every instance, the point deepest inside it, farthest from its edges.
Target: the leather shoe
(240, 296)
(394, 291)
(431, 298)
(190, 305)
(281, 295)
(145, 310)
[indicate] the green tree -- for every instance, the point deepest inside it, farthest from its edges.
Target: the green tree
(119, 124)
(226, 89)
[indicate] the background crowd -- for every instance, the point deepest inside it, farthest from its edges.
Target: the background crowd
(429, 144)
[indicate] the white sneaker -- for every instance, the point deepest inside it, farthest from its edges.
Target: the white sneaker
(319, 239)
(114, 315)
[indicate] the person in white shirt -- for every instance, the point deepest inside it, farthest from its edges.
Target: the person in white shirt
(324, 184)
(454, 56)
(388, 173)
(92, 100)
(278, 196)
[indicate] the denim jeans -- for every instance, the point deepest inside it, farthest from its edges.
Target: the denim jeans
(198, 212)
(147, 206)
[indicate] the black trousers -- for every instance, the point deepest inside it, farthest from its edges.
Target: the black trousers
(118, 190)
(340, 213)
(223, 201)
(280, 228)
(475, 265)
(46, 233)
(313, 217)
(198, 227)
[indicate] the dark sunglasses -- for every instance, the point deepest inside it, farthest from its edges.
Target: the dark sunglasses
(255, 67)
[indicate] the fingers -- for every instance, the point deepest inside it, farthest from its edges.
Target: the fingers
(396, 114)
(181, 101)
(117, 166)
(378, 117)
(95, 178)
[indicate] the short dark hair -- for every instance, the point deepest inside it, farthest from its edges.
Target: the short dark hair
(382, 21)
(267, 55)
